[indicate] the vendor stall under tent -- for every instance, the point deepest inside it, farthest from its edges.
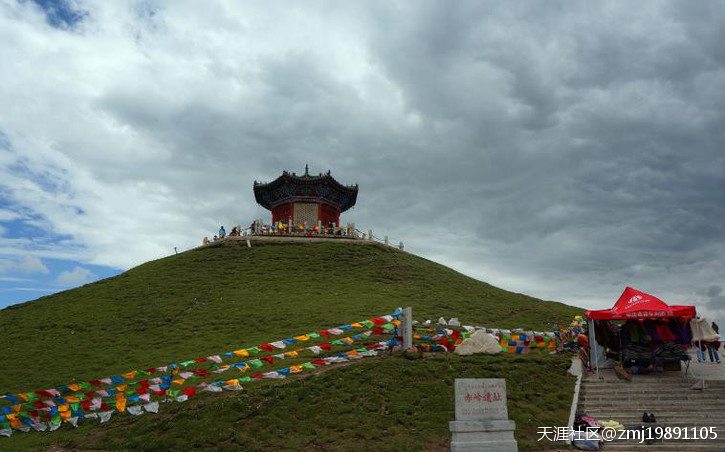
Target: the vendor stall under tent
(648, 321)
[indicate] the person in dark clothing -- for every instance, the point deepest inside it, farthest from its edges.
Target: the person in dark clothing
(715, 327)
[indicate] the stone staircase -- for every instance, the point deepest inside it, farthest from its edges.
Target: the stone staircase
(669, 398)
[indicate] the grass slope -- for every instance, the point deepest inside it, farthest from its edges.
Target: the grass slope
(219, 298)
(388, 403)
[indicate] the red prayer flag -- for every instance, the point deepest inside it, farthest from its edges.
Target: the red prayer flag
(266, 347)
(189, 391)
(269, 359)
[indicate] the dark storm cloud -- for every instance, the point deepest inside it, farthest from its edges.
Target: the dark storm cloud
(561, 149)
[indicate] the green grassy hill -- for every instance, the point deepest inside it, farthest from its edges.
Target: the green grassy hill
(227, 296)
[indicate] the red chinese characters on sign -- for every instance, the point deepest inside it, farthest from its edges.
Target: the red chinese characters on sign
(480, 398)
(483, 397)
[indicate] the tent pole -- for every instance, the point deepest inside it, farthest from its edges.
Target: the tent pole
(702, 354)
(593, 346)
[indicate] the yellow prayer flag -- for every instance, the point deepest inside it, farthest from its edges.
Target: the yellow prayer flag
(129, 375)
(72, 399)
(302, 338)
(292, 354)
(63, 408)
(10, 416)
(232, 382)
(23, 396)
(121, 387)
(65, 415)
(121, 404)
(357, 325)
(241, 352)
(17, 408)
(74, 387)
(295, 369)
(178, 381)
(16, 423)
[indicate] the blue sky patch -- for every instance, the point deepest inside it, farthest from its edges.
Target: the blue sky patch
(60, 14)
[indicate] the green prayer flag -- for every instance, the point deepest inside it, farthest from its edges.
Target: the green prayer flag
(308, 365)
(368, 323)
(245, 379)
(313, 335)
(255, 363)
(253, 350)
(187, 363)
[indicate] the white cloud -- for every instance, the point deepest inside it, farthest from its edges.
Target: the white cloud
(8, 215)
(5, 265)
(564, 151)
(75, 277)
(32, 265)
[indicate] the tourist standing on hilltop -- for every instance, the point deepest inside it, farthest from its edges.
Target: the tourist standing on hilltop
(222, 232)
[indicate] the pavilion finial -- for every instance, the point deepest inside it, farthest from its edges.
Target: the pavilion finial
(307, 170)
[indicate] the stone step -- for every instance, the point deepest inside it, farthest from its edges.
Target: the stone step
(650, 390)
(674, 380)
(617, 446)
(653, 406)
(631, 421)
(634, 416)
(715, 384)
(664, 400)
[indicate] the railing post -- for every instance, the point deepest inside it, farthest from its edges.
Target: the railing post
(386, 240)
(370, 234)
(407, 328)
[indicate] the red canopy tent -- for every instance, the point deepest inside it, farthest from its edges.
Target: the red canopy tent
(633, 304)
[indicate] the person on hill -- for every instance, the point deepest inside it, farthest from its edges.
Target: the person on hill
(234, 232)
(215, 237)
(205, 241)
(222, 232)
(715, 327)
(253, 226)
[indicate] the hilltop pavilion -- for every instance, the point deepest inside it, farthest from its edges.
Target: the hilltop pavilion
(306, 199)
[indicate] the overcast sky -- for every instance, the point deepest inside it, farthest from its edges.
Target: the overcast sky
(560, 149)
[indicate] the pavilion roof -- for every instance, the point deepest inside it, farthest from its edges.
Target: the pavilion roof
(290, 187)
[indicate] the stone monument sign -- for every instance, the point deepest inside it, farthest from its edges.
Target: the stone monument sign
(482, 422)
